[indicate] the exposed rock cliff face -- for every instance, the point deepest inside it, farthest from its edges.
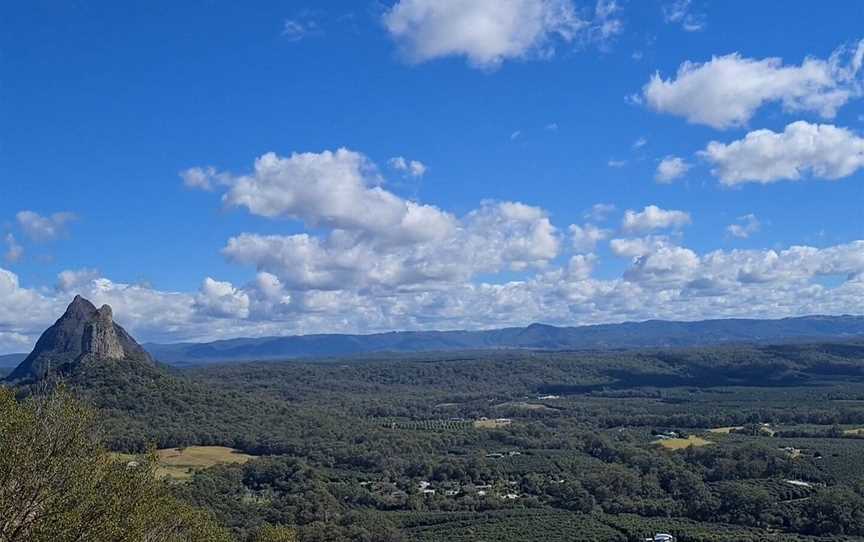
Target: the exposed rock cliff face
(84, 334)
(100, 340)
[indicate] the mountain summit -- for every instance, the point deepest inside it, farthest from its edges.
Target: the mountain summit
(83, 335)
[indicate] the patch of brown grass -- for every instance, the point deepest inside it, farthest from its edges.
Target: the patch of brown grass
(181, 464)
(682, 443)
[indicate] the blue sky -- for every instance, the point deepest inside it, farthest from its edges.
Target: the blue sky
(521, 116)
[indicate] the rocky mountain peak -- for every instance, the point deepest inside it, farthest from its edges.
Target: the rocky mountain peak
(83, 334)
(79, 308)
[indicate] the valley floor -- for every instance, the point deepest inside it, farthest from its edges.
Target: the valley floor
(756, 443)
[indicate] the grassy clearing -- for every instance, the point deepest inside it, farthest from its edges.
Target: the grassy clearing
(682, 443)
(725, 430)
(524, 405)
(491, 424)
(181, 464)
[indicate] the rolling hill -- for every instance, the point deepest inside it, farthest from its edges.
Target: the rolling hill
(652, 333)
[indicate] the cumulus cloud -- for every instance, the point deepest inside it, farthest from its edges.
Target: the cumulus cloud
(667, 266)
(580, 266)
(635, 247)
(488, 32)
(269, 299)
(671, 168)
(70, 279)
(356, 273)
(585, 238)
(497, 236)
(372, 238)
(727, 90)
(414, 168)
(653, 218)
(511, 234)
(338, 190)
(44, 228)
(221, 299)
(20, 308)
(821, 151)
(746, 226)
(662, 281)
(616, 163)
(14, 251)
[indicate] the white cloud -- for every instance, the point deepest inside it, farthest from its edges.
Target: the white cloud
(653, 218)
(693, 24)
(634, 247)
(671, 168)
(12, 342)
(512, 233)
(552, 127)
(680, 12)
(44, 228)
(71, 279)
(515, 135)
(297, 29)
(488, 32)
(605, 24)
(414, 168)
(818, 150)
(639, 143)
(746, 226)
(206, 178)
(495, 237)
(14, 251)
(585, 238)
(665, 281)
(616, 163)
(599, 211)
(580, 266)
(728, 90)
(667, 266)
(221, 299)
(332, 190)
(373, 238)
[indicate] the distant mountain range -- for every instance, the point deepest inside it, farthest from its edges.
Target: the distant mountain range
(652, 333)
(11, 360)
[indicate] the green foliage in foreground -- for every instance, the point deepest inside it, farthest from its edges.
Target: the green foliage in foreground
(275, 533)
(346, 447)
(58, 484)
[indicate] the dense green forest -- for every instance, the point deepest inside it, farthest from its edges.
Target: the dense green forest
(586, 444)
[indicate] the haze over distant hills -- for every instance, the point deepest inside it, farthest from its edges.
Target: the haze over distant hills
(652, 333)
(11, 360)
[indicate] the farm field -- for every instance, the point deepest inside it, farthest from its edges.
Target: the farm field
(725, 430)
(181, 464)
(681, 443)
